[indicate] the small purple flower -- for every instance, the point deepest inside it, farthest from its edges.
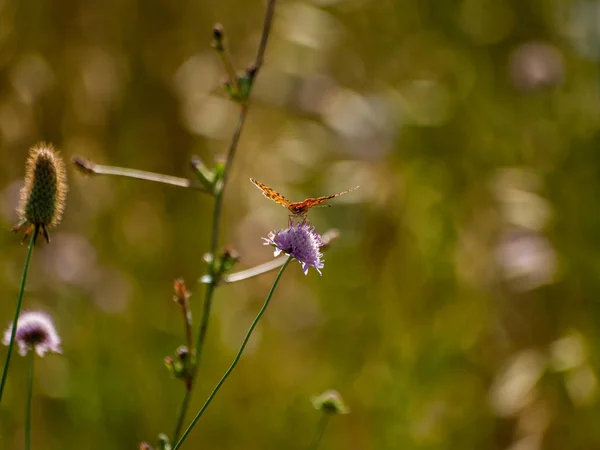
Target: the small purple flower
(35, 330)
(301, 242)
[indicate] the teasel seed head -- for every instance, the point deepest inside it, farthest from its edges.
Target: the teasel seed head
(45, 191)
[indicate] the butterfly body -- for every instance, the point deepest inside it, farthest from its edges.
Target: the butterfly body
(297, 209)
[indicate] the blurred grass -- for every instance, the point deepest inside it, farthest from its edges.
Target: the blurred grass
(472, 128)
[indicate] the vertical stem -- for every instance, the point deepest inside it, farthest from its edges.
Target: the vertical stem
(28, 400)
(218, 206)
(264, 38)
(18, 309)
(323, 421)
(237, 357)
(187, 316)
(182, 410)
(210, 287)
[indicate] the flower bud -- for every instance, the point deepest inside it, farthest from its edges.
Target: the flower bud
(330, 402)
(181, 293)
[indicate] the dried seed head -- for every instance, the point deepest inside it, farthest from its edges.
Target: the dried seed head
(45, 191)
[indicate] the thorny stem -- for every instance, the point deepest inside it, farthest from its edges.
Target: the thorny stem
(96, 169)
(218, 206)
(18, 309)
(323, 421)
(237, 357)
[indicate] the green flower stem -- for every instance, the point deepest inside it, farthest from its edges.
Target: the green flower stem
(210, 287)
(218, 207)
(28, 400)
(96, 169)
(237, 357)
(188, 381)
(182, 410)
(323, 421)
(264, 38)
(13, 332)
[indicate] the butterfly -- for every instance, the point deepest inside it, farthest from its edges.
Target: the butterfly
(297, 209)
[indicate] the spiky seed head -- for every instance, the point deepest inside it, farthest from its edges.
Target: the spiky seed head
(45, 191)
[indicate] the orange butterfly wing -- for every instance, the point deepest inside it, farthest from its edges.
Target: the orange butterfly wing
(310, 202)
(272, 194)
(296, 208)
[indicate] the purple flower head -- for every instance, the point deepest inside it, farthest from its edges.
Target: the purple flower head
(35, 331)
(301, 242)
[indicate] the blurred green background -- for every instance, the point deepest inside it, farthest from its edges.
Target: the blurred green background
(459, 308)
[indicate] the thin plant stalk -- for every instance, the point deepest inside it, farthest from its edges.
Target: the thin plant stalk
(217, 210)
(98, 169)
(182, 410)
(216, 218)
(237, 357)
(212, 284)
(13, 332)
(323, 421)
(188, 382)
(28, 401)
(220, 190)
(254, 271)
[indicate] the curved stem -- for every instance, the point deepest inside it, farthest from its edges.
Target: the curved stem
(13, 331)
(237, 357)
(28, 401)
(323, 421)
